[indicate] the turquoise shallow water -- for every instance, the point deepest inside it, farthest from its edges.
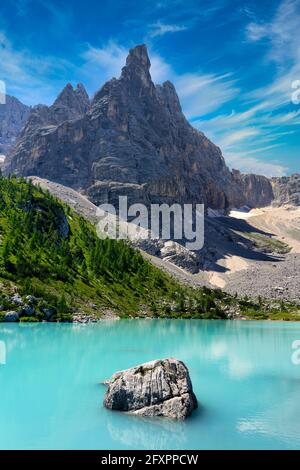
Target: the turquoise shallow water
(243, 376)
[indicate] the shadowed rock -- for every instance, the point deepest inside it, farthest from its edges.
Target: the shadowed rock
(158, 388)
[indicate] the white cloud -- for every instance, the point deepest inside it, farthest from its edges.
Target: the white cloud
(237, 136)
(256, 32)
(248, 164)
(203, 93)
(101, 64)
(160, 29)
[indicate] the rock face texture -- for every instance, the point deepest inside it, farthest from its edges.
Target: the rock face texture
(43, 133)
(255, 190)
(13, 116)
(158, 388)
(132, 140)
(286, 190)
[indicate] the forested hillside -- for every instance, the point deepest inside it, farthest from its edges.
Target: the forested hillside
(49, 252)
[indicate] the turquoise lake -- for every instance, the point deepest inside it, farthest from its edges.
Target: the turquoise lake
(242, 372)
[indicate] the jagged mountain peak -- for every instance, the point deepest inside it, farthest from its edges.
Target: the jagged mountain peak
(138, 56)
(132, 140)
(136, 73)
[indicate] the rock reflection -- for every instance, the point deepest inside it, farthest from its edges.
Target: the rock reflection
(146, 433)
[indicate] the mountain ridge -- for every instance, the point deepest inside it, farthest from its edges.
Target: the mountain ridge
(133, 140)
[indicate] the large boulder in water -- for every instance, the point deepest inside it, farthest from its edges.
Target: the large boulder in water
(157, 388)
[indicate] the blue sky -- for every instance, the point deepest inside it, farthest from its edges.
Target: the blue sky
(233, 63)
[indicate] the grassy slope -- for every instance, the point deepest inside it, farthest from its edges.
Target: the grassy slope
(48, 251)
(266, 243)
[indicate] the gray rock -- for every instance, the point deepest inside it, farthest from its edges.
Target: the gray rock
(17, 299)
(31, 299)
(11, 317)
(49, 312)
(158, 388)
(28, 310)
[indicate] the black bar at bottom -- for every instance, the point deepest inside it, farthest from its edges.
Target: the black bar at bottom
(135, 459)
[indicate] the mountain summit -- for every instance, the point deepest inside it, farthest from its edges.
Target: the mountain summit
(133, 140)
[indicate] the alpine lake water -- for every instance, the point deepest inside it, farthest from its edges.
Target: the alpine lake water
(242, 372)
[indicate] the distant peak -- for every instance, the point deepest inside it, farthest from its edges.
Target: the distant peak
(70, 95)
(66, 92)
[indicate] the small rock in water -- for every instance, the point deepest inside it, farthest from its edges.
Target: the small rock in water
(158, 388)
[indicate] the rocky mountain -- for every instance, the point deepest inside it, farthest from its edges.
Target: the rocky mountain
(286, 190)
(132, 140)
(13, 115)
(256, 190)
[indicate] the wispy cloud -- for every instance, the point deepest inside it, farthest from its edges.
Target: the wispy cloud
(255, 165)
(202, 93)
(103, 63)
(28, 76)
(160, 29)
(282, 32)
(282, 38)
(238, 136)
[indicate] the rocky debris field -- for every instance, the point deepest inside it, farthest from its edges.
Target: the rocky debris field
(279, 280)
